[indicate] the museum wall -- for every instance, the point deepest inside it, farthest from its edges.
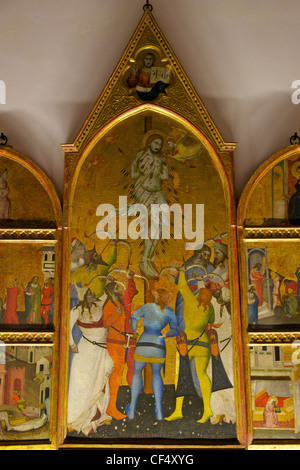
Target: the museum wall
(240, 55)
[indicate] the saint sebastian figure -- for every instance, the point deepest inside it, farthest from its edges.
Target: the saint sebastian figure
(150, 169)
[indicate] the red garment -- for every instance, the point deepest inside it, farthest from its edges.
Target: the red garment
(292, 288)
(118, 314)
(47, 293)
(215, 286)
(257, 281)
(10, 312)
(120, 343)
(16, 398)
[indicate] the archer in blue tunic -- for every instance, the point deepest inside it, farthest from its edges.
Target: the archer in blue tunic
(151, 348)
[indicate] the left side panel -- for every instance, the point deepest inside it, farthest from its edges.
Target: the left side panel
(30, 274)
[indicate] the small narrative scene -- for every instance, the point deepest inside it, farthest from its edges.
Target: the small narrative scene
(26, 284)
(275, 390)
(25, 391)
(273, 283)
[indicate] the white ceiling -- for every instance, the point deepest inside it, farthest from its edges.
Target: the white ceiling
(242, 57)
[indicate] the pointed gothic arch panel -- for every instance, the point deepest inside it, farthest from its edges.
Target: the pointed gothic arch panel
(150, 225)
(30, 229)
(274, 183)
(274, 226)
(268, 237)
(107, 167)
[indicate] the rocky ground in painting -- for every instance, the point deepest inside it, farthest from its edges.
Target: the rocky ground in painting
(145, 425)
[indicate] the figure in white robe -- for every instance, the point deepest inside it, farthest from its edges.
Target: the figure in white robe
(88, 395)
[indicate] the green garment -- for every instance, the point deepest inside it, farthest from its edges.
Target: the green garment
(33, 303)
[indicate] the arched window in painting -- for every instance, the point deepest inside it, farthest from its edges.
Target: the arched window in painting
(270, 286)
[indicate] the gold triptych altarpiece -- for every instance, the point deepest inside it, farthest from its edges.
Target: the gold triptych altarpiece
(122, 321)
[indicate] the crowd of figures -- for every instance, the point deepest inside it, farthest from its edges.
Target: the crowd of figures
(282, 294)
(37, 301)
(107, 340)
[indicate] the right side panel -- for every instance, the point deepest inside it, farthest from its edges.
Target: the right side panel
(269, 235)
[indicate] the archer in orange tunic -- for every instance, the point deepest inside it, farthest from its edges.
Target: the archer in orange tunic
(120, 341)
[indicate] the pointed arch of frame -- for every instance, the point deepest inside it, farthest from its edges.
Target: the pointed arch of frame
(39, 337)
(41, 178)
(229, 198)
(98, 116)
(258, 175)
(231, 217)
(242, 236)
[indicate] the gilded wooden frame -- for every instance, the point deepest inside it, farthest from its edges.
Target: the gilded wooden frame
(29, 231)
(179, 107)
(116, 106)
(268, 233)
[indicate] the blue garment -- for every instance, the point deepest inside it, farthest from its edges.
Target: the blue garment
(159, 87)
(253, 311)
(151, 344)
(74, 300)
(150, 348)
(137, 386)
